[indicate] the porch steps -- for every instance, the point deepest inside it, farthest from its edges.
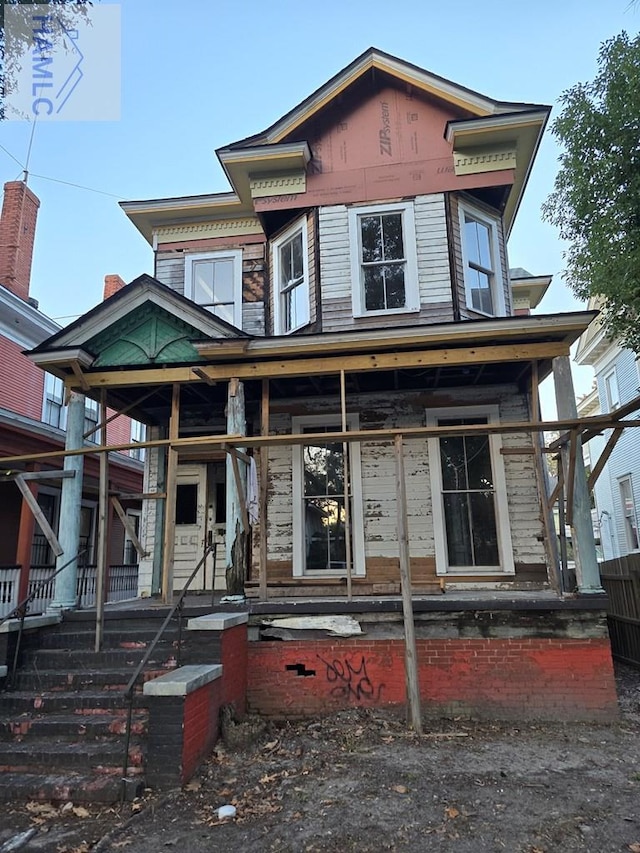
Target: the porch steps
(63, 723)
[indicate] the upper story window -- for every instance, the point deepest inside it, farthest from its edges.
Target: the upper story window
(53, 409)
(611, 390)
(138, 433)
(291, 279)
(629, 514)
(481, 258)
(91, 420)
(384, 269)
(214, 281)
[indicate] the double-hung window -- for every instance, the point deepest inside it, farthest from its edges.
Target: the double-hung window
(481, 258)
(138, 433)
(319, 497)
(53, 410)
(91, 420)
(214, 281)
(471, 525)
(611, 390)
(629, 514)
(384, 270)
(291, 279)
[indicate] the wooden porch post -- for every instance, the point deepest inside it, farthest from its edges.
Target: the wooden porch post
(26, 527)
(236, 536)
(264, 492)
(102, 563)
(65, 594)
(169, 533)
(410, 652)
(587, 572)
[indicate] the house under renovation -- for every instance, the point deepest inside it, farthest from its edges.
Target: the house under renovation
(339, 378)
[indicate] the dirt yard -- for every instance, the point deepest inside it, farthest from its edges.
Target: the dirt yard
(359, 781)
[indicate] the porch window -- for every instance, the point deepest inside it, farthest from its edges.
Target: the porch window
(481, 257)
(291, 277)
(629, 514)
(383, 259)
(214, 281)
(319, 502)
(469, 496)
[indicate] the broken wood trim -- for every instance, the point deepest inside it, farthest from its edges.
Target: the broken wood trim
(38, 514)
(128, 526)
(411, 655)
(603, 458)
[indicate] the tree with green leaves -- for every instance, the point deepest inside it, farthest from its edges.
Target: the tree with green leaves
(596, 198)
(14, 44)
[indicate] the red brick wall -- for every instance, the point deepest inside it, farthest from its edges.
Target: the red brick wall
(233, 657)
(201, 713)
(557, 679)
(22, 385)
(17, 232)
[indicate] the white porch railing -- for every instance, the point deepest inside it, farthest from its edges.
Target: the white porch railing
(123, 585)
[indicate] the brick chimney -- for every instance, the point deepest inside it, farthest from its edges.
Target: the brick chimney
(112, 284)
(17, 233)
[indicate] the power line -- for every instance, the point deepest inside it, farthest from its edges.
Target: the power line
(77, 186)
(12, 157)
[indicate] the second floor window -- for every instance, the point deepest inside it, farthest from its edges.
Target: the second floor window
(481, 257)
(291, 279)
(138, 433)
(214, 281)
(629, 514)
(91, 420)
(383, 259)
(53, 409)
(611, 390)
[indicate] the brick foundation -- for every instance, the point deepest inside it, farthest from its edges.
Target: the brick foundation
(512, 678)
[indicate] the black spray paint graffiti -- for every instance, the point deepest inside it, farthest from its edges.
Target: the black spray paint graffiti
(351, 682)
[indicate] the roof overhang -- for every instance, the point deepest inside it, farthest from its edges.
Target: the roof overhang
(22, 323)
(490, 139)
(529, 289)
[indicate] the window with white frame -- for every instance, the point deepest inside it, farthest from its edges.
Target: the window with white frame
(468, 487)
(384, 267)
(319, 517)
(290, 256)
(53, 409)
(138, 433)
(481, 259)
(611, 390)
(629, 514)
(91, 420)
(214, 281)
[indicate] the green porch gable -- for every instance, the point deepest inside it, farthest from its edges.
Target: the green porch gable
(149, 335)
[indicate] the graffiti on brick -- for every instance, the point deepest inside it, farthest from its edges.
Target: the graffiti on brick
(351, 681)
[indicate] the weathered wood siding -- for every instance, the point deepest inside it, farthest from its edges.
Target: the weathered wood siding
(378, 476)
(433, 268)
(170, 270)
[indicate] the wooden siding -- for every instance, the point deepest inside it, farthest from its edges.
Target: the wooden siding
(432, 259)
(378, 478)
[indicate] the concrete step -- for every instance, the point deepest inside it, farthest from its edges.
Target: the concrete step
(59, 701)
(70, 786)
(77, 727)
(41, 756)
(36, 679)
(133, 639)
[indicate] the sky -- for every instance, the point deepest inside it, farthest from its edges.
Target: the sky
(199, 74)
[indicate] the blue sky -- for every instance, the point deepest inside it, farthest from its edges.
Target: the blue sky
(198, 74)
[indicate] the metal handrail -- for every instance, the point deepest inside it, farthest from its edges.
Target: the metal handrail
(128, 691)
(20, 610)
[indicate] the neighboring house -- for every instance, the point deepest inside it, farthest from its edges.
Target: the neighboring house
(617, 489)
(354, 284)
(32, 417)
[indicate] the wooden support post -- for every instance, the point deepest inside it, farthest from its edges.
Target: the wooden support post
(562, 525)
(411, 657)
(240, 489)
(571, 475)
(587, 572)
(236, 540)
(169, 533)
(39, 516)
(26, 527)
(102, 567)
(264, 493)
(603, 458)
(65, 594)
(347, 488)
(129, 527)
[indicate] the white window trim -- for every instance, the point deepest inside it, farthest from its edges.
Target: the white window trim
(627, 478)
(50, 377)
(412, 287)
(505, 548)
(223, 254)
(498, 283)
(300, 225)
(358, 568)
(607, 376)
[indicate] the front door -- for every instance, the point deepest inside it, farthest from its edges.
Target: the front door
(191, 521)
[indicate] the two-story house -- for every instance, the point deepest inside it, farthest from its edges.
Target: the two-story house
(347, 308)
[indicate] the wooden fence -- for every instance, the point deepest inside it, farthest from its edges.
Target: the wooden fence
(621, 580)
